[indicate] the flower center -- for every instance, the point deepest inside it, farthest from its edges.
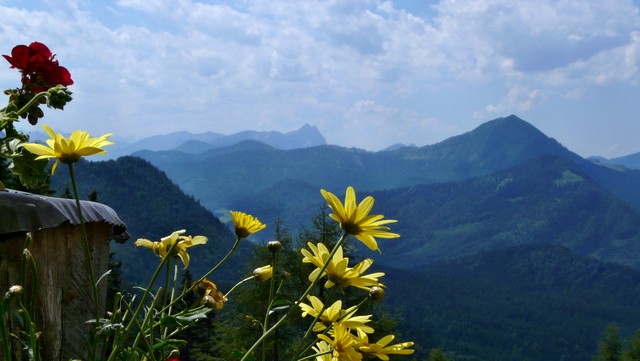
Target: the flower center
(351, 228)
(242, 232)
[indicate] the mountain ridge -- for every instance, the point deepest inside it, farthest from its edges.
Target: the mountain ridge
(492, 146)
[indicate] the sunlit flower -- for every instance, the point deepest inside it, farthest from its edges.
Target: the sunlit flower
(343, 344)
(335, 314)
(319, 255)
(245, 224)
(354, 277)
(355, 220)
(380, 348)
(337, 269)
(209, 294)
(263, 273)
(68, 150)
(161, 249)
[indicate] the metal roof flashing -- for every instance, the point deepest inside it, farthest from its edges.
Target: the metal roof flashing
(25, 212)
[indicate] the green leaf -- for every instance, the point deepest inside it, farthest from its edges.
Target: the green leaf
(194, 315)
(173, 343)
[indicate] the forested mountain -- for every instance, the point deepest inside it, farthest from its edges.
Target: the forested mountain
(508, 238)
(529, 302)
(152, 207)
(547, 199)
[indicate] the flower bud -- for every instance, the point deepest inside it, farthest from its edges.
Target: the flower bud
(15, 290)
(376, 293)
(274, 246)
(58, 97)
(263, 273)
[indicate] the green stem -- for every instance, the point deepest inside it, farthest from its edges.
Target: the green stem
(3, 327)
(34, 100)
(265, 325)
(238, 285)
(173, 292)
(318, 316)
(300, 299)
(315, 355)
(142, 300)
(87, 252)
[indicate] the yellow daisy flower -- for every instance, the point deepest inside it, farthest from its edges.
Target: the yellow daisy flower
(245, 224)
(161, 249)
(380, 348)
(68, 150)
(333, 314)
(319, 255)
(343, 344)
(355, 219)
(354, 277)
(337, 269)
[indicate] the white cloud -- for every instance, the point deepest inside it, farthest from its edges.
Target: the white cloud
(519, 99)
(275, 64)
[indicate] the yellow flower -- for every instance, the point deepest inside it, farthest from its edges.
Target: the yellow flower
(335, 314)
(263, 273)
(337, 269)
(319, 255)
(245, 224)
(161, 249)
(355, 219)
(324, 350)
(343, 344)
(354, 277)
(380, 348)
(68, 150)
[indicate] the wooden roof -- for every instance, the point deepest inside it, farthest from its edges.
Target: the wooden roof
(25, 212)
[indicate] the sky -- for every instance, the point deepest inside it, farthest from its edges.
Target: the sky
(367, 74)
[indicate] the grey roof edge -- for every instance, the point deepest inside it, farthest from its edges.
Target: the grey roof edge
(25, 212)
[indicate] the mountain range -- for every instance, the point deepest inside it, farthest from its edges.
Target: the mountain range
(520, 249)
(305, 136)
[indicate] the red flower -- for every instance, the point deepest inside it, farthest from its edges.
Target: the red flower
(39, 69)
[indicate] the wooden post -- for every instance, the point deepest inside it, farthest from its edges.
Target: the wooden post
(64, 297)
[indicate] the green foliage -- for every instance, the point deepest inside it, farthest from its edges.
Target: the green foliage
(632, 351)
(610, 348)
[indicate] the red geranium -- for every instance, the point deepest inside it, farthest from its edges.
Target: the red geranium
(39, 69)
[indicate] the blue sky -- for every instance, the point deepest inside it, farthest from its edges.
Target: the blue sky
(367, 73)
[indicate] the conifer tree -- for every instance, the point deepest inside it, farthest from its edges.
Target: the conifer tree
(632, 353)
(610, 348)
